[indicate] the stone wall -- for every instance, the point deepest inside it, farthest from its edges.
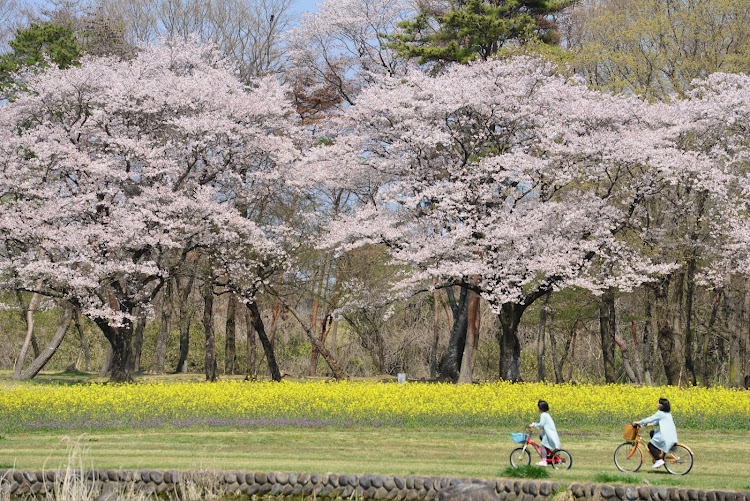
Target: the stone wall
(106, 484)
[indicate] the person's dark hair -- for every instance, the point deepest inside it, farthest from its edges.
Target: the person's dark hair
(664, 405)
(543, 406)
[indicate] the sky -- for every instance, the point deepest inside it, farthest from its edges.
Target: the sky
(300, 5)
(306, 5)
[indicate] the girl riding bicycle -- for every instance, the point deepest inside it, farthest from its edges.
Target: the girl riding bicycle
(665, 437)
(549, 437)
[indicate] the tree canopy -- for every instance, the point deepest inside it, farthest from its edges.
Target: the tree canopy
(38, 46)
(475, 29)
(115, 171)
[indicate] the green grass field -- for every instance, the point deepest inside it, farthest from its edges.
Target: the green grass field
(720, 458)
(461, 451)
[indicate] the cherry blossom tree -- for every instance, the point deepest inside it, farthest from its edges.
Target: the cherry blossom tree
(706, 228)
(343, 46)
(114, 172)
(504, 176)
(717, 125)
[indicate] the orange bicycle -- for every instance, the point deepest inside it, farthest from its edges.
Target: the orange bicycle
(629, 456)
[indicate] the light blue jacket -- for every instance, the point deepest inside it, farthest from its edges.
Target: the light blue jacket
(666, 436)
(549, 432)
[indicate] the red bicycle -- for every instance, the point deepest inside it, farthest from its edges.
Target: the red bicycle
(560, 459)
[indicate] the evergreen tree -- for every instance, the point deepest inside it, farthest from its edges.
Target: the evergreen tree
(476, 29)
(38, 45)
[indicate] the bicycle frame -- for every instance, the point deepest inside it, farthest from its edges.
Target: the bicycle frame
(542, 454)
(638, 446)
(535, 445)
(678, 460)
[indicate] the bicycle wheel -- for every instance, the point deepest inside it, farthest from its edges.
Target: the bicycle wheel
(520, 457)
(679, 460)
(628, 458)
(561, 459)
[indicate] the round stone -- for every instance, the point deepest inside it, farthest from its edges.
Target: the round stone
(544, 489)
(607, 491)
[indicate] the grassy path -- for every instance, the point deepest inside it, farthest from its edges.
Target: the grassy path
(721, 458)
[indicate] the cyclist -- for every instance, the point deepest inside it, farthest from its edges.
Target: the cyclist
(549, 437)
(665, 437)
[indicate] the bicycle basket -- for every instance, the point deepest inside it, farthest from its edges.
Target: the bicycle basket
(519, 438)
(630, 432)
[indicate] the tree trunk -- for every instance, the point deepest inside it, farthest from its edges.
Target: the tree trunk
(106, 369)
(140, 326)
(209, 364)
(325, 328)
(186, 317)
(572, 349)
(46, 354)
(182, 363)
(450, 363)
(160, 352)
(636, 352)
(665, 335)
(626, 359)
(736, 375)
(676, 314)
(737, 332)
(82, 336)
(275, 314)
(647, 344)
(230, 346)
(25, 318)
(257, 322)
(251, 349)
(317, 294)
(689, 334)
(334, 334)
(336, 370)
(709, 337)
(510, 345)
(313, 369)
(541, 371)
(557, 365)
(472, 339)
(119, 340)
(435, 334)
(607, 333)
(29, 335)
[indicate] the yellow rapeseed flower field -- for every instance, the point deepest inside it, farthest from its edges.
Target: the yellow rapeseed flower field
(358, 403)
